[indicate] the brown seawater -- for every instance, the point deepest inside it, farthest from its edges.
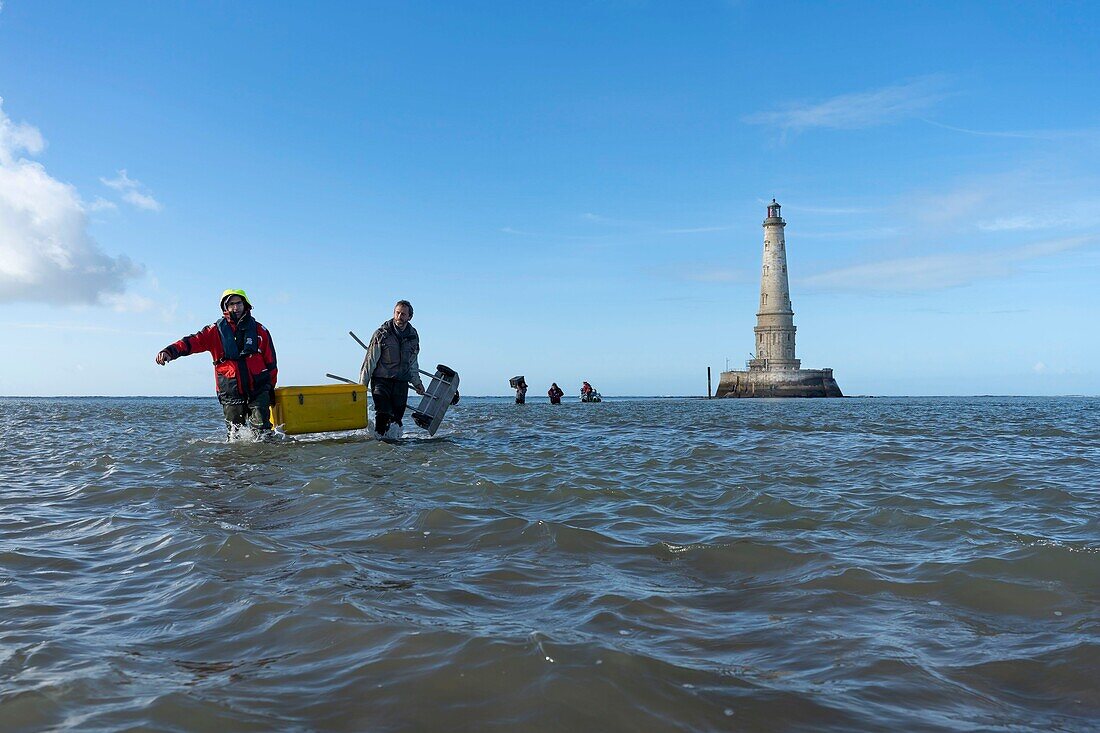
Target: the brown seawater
(639, 564)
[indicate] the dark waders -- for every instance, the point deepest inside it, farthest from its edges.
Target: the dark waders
(256, 414)
(391, 397)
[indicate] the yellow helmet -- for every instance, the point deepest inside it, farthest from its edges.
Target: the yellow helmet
(241, 293)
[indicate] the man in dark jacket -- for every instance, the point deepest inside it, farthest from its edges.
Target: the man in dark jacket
(391, 366)
(555, 392)
(245, 368)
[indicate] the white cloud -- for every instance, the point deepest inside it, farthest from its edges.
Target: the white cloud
(141, 200)
(133, 192)
(128, 302)
(17, 137)
(46, 253)
(857, 110)
(936, 272)
(609, 221)
(1017, 223)
(1040, 196)
(100, 204)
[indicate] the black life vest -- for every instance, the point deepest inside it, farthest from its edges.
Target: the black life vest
(239, 346)
(239, 343)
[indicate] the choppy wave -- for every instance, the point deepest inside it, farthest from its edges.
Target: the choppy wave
(857, 564)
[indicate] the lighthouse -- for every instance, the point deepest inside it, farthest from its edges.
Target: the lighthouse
(774, 370)
(775, 317)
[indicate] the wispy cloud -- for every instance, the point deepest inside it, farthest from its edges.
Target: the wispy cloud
(129, 303)
(611, 221)
(937, 272)
(16, 138)
(1041, 196)
(1022, 223)
(518, 232)
(46, 253)
(1041, 368)
(132, 191)
(1083, 134)
(857, 110)
(100, 204)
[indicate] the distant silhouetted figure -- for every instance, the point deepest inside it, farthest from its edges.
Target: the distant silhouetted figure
(555, 393)
(521, 392)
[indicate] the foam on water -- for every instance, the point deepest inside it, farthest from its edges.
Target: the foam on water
(858, 564)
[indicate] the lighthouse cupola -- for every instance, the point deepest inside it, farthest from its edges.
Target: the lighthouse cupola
(773, 211)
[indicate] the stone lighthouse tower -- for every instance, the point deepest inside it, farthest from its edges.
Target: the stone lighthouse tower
(775, 318)
(774, 371)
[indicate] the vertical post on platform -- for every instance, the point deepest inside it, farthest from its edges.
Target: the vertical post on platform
(708, 383)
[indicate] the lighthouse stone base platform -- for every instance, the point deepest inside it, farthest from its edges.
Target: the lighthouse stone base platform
(778, 383)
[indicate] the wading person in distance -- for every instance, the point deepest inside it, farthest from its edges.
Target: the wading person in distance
(390, 366)
(244, 362)
(555, 392)
(521, 392)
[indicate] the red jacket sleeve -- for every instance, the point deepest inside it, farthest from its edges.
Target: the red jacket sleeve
(208, 339)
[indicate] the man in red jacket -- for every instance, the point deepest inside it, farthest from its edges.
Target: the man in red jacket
(244, 362)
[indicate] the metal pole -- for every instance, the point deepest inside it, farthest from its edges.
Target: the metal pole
(708, 383)
(358, 341)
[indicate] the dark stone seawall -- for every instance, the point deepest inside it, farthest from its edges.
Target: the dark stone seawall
(787, 383)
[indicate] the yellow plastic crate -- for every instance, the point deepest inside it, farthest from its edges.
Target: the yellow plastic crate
(320, 409)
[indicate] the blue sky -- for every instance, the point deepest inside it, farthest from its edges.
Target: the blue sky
(564, 191)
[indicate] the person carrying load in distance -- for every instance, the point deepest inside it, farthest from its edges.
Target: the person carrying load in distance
(519, 384)
(245, 367)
